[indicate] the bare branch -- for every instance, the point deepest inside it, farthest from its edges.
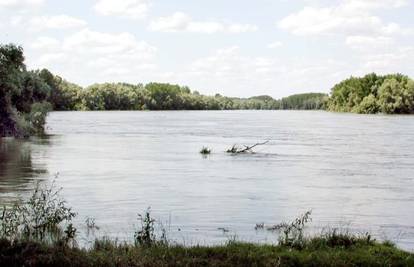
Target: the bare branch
(235, 150)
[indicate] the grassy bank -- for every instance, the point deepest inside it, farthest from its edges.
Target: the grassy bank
(317, 253)
(39, 232)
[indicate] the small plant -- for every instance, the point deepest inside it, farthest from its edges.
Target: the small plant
(259, 226)
(205, 151)
(145, 236)
(292, 234)
(90, 224)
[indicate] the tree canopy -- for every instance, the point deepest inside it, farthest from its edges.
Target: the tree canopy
(390, 94)
(22, 95)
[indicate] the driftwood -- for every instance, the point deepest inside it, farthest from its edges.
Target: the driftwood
(246, 149)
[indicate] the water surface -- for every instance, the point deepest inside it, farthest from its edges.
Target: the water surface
(353, 171)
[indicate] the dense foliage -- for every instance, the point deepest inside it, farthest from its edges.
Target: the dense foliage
(163, 96)
(391, 94)
(304, 101)
(22, 95)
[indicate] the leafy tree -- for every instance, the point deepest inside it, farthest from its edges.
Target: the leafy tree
(63, 94)
(21, 92)
(397, 96)
(11, 69)
(372, 94)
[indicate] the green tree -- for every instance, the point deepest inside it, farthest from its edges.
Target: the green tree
(397, 96)
(11, 69)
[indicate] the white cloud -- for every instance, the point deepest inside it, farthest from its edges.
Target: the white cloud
(228, 68)
(56, 22)
(94, 56)
(20, 3)
(390, 62)
(276, 44)
(374, 4)
(133, 9)
(349, 17)
(46, 43)
(240, 28)
(181, 22)
(369, 42)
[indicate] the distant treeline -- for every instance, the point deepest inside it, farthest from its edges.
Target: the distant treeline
(164, 96)
(27, 96)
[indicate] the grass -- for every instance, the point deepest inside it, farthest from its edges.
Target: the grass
(318, 252)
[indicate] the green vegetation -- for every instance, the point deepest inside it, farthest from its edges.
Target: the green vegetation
(27, 96)
(205, 151)
(390, 94)
(319, 252)
(22, 95)
(39, 232)
(44, 218)
(164, 96)
(293, 232)
(304, 101)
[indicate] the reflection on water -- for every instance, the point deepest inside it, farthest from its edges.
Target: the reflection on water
(351, 170)
(17, 170)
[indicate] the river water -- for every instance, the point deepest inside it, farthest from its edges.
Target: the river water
(355, 172)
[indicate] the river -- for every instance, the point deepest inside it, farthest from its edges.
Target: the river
(355, 172)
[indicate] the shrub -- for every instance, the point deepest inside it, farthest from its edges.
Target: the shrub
(32, 123)
(292, 234)
(44, 218)
(205, 151)
(145, 235)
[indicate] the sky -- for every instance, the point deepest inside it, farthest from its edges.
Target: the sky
(232, 47)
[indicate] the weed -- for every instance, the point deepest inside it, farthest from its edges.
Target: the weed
(205, 151)
(292, 234)
(145, 236)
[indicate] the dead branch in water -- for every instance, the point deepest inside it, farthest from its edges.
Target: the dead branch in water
(247, 149)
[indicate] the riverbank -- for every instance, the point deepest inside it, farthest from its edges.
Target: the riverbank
(318, 252)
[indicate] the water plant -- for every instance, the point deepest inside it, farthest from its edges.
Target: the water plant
(205, 151)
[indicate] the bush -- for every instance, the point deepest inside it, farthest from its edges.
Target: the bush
(32, 123)
(205, 151)
(44, 218)
(292, 234)
(145, 236)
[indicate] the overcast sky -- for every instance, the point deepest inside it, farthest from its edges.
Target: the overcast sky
(232, 47)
